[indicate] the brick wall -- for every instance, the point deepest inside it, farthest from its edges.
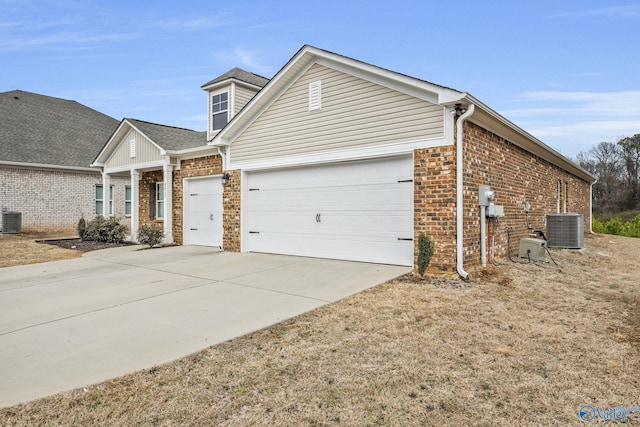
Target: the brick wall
(54, 200)
(516, 177)
(144, 187)
(435, 204)
(231, 214)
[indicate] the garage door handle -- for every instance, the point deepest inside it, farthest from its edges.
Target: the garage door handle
(211, 217)
(405, 180)
(254, 232)
(405, 239)
(194, 229)
(318, 218)
(193, 194)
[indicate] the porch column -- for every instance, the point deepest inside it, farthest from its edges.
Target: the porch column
(135, 204)
(168, 203)
(106, 193)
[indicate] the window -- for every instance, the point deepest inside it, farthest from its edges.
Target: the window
(160, 200)
(219, 110)
(127, 200)
(100, 200)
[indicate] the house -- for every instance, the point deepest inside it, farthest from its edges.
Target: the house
(337, 158)
(46, 147)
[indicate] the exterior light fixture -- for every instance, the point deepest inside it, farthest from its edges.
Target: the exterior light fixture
(225, 178)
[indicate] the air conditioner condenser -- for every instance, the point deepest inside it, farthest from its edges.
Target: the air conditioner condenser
(532, 249)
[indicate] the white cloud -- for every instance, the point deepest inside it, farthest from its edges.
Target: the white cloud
(574, 121)
(244, 58)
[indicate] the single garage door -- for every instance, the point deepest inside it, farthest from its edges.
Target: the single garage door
(358, 211)
(203, 211)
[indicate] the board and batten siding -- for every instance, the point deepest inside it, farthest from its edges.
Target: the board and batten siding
(355, 114)
(242, 97)
(145, 151)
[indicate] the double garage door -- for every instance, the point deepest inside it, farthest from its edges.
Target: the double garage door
(358, 211)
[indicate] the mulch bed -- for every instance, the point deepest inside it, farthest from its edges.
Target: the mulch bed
(83, 245)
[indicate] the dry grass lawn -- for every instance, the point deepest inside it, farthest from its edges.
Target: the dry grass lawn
(521, 344)
(21, 249)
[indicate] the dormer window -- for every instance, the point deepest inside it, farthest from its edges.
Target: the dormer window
(219, 110)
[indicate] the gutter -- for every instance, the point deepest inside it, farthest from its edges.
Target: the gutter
(46, 166)
(459, 195)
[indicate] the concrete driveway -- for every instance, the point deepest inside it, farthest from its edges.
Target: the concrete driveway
(67, 324)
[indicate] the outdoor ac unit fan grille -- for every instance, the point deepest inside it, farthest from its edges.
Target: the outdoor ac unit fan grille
(11, 222)
(565, 231)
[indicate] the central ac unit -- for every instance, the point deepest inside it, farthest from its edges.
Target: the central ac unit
(11, 222)
(565, 231)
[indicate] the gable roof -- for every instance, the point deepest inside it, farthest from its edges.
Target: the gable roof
(165, 138)
(43, 130)
(240, 75)
(308, 55)
(170, 138)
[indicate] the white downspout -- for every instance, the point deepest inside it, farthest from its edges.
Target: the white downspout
(459, 195)
(223, 154)
(591, 206)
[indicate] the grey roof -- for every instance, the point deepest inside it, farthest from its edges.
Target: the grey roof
(239, 74)
(169, 137)
(46, 130)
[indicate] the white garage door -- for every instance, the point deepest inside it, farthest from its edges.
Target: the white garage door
(358, 211)
(203, 212)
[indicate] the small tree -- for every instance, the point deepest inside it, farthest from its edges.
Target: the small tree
(425, 252)
(150, 234)
(81, 227)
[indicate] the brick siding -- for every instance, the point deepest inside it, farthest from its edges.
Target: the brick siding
(515, 175)
(54, 200)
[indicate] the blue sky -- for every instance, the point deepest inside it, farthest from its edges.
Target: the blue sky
(566, 71)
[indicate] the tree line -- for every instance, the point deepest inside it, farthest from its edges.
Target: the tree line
(617, 167)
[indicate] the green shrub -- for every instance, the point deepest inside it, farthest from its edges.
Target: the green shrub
(425, 252)
(150, 234)
(617, 227)
(108, 230)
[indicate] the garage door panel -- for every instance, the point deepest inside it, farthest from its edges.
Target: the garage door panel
(354, 211)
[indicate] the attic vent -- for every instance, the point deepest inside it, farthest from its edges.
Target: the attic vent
(132, 148)
(315, 98)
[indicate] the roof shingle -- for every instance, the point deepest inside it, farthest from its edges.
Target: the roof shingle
(42, 129)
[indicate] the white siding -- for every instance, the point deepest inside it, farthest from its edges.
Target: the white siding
(355, 113)
(145, 151)
(242, 97)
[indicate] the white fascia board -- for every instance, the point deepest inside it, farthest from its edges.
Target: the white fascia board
(108, 145)
(192, 153)
(401, 148)
(227, 82)
(47, 166)
(157, 164)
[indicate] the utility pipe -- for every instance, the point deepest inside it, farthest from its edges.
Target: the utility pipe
(483, 236)
(459, 196)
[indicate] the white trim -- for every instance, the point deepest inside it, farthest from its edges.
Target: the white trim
(139, 166)
(396, 149)
(47, 166)
(244, 204)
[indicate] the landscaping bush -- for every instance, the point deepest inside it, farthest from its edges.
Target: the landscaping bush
(425, 252)
(108, 230)
(616, 227)
(150, 234)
